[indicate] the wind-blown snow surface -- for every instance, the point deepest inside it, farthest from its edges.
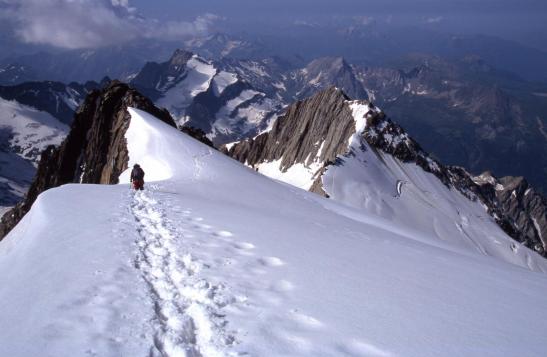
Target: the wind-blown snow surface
(214, 259)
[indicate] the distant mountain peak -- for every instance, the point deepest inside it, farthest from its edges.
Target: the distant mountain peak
(180, 57)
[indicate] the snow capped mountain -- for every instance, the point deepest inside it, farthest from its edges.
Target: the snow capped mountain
(464, 112)
(214, 259)
(221, 45)
(24, 133)
(33, 116)
(58, 99)
(360, 158)
(233, 99)
(325, 72)
(280, 79)
(11, 74)
(198, 93)
(29, 131)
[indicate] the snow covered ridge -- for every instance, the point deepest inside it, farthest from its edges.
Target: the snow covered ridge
(360, 157)
(517, 216)
(216, 260)
(95, 149)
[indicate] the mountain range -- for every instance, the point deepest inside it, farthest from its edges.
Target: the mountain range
(464, 112)
(233, 100)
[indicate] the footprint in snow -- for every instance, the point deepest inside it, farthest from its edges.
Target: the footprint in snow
(202, 227)
(223, 234)
(362, 348)
(305, 320)
(282, 286)
(271, 261)
(244, 246)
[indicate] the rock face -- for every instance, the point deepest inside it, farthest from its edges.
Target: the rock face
(327, 118)
(519, 206)
(329, 71)
(295, 135)
(95, 151)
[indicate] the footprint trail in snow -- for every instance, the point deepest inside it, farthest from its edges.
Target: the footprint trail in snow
(187, 307)
(205, 281)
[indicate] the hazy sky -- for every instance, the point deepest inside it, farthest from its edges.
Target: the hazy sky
(92, 23)
(243, 9)
(513, 19)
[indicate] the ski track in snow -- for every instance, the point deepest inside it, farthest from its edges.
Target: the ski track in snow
(187, 307)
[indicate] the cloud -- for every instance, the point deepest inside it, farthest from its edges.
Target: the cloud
(91, 23)
(364, 20)
(174, 30)
(434, 20)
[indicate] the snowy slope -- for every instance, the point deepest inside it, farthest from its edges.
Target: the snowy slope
(214, 259)
(378, 184)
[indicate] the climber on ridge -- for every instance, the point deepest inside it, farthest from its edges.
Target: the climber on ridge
(137, 177)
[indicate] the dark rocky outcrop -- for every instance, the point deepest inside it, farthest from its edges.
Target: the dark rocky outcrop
(522, 209)
(325, 72)
(197, 134)
(296, 136)
(95, 151)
